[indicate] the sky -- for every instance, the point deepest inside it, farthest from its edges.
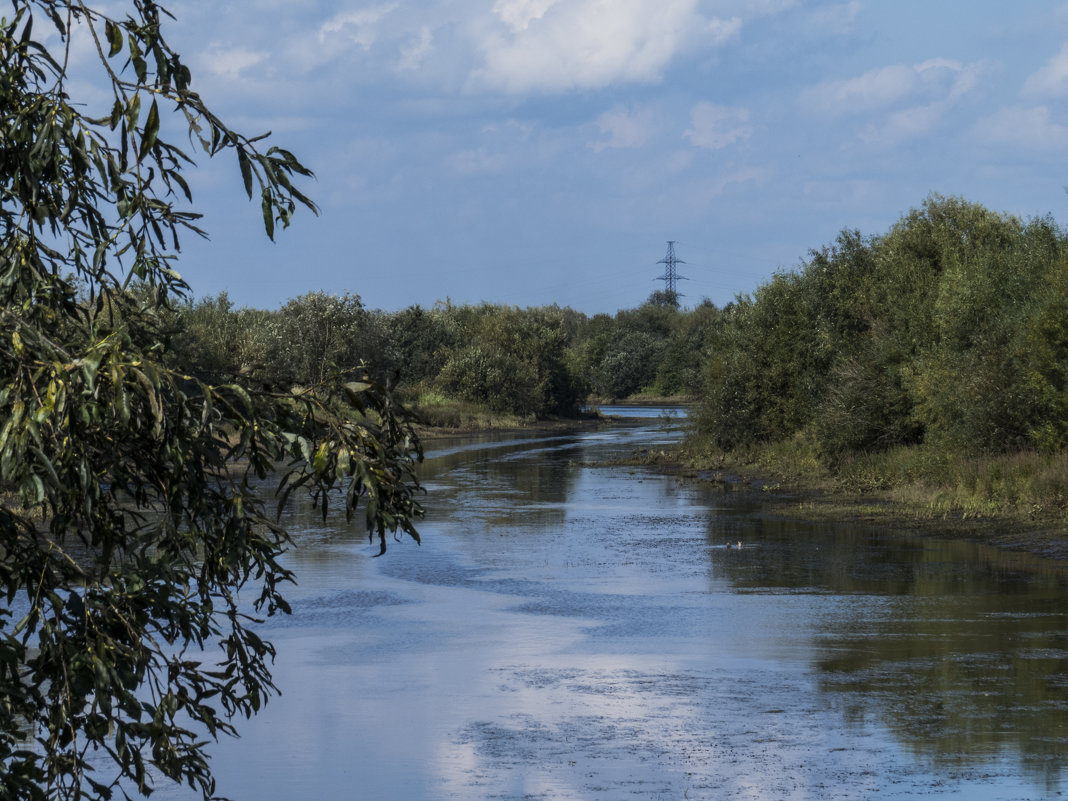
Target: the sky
(531, 152)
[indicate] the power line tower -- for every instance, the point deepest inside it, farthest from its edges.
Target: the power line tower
(671, 275)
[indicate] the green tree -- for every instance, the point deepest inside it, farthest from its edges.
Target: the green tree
(318, 332)
(137, 546)
(766, 365)
(512, 360)
(947, 330)
(1046, 341)
(420, 339)
(681, 367)
(971, 381)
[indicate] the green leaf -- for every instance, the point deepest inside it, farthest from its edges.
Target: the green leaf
(33, 492)
(268, 213)
(114, 35)
(246, 170)
(148, 138)
(355, 387)
(320, 460)
(133, 110)
(139, 530)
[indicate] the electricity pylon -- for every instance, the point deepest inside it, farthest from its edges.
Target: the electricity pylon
(671, 275)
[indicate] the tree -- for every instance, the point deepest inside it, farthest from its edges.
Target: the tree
(666, 298)
(512, 360)
(318, 333)
(137, 546)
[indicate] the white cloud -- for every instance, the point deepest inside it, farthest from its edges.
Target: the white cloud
(625, 128)
(518, 14)
(1019, 126)
(710, 187)
(885, 87)
(908, 123)
(874, 89)
(230, 62)
(968, 80)
(563, 45)
(415, 51)
(354, 27)
(716, 127)
(717, 31)
(1052, 78)
(899, 102)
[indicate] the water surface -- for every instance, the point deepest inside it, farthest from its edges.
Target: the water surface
(575, 631)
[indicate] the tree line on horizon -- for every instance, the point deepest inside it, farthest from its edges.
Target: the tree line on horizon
(535, 362)
(949, 329)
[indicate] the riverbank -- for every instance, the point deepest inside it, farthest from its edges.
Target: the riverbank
(487, 424)
(1015, 502)
(648, 399)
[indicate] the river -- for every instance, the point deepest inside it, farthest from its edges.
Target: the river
(570, 631)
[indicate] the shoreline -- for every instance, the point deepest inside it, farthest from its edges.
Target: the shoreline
(558, 425)
(1044, 539)
(793, 498)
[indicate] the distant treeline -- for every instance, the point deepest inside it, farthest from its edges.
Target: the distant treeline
(530, 363)
(950, 329)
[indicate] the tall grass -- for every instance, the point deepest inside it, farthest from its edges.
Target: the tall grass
(923, 481)
(1024, 483)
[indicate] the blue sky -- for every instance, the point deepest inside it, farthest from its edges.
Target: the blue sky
(530, 152)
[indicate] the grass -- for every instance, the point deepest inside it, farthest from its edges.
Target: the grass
(1017, 501)
(645, 397)
(1025, 484)
(440, 412)
(909, 483)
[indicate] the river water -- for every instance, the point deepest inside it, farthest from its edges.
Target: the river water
(570, 631)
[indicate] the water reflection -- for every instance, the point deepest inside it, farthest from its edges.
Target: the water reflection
(568, 631)
(960, 649)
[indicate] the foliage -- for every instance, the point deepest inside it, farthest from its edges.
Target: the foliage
(948, 330)
(765, 365)
(656, 347)
(667, 298)
(138, 546)
(513, 360)
(971, 382)
(629, 363)
(680, 371)
(419, 340)
(1046, 371)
